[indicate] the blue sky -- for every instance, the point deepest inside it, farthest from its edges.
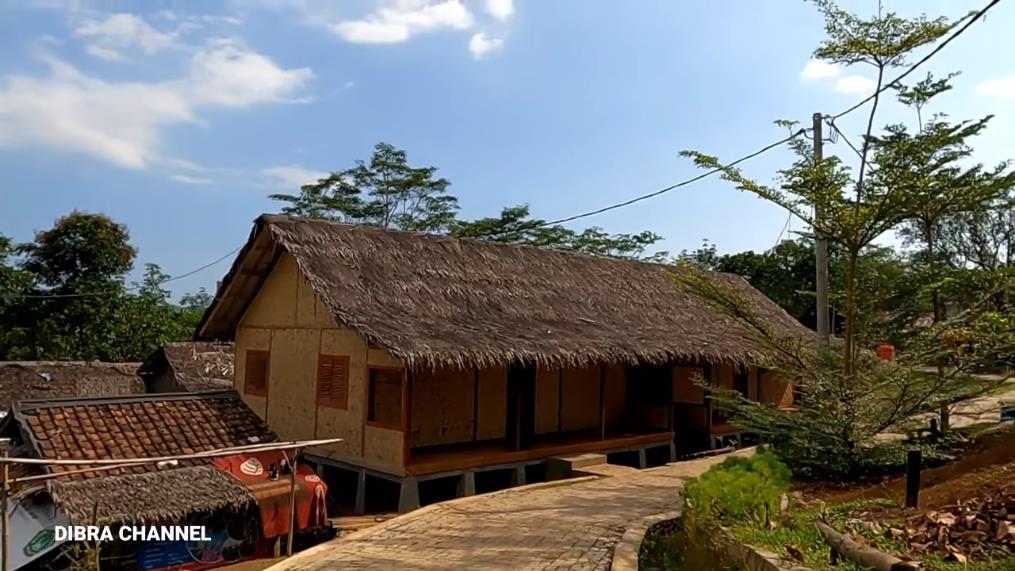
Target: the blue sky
(179, 118)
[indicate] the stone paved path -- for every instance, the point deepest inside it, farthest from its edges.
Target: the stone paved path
(572, 526)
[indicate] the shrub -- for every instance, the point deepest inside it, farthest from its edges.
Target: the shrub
(740, 490)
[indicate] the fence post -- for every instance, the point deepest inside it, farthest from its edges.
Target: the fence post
(913, 461)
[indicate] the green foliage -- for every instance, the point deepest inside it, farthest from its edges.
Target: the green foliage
(397, 195)
(740, 490)
(387, 192)
(514, 226)
(81, 309)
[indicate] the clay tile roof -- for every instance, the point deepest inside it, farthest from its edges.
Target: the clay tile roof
(443, 301)
(195, 366)
(133, 427)
(58, 379)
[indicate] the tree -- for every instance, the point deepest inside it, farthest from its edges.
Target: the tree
(388, 192)
(397, 195)
(930, 163)
(66, 300)
(514, 226)
(13, 283)
(77, 270)
(848, 398)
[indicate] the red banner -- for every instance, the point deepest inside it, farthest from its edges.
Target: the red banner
(255, 471)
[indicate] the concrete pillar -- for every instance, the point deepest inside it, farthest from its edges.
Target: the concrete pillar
(673, 452)
(642, 459)
(361, 492)
(518, 476)
(408, 496)
(467, 484)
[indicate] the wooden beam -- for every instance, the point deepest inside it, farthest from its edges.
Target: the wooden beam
(560, 399)
(406, 417)
(602, 402)
(669, 400)
(475, 407)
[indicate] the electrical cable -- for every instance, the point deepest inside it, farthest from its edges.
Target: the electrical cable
(130, 288)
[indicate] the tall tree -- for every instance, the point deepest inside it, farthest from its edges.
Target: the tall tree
(78, 267)
(931, 163)
(848, 398)
(514, 226)
(386, 192)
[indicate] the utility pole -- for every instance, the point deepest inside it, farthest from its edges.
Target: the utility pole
(820, 246)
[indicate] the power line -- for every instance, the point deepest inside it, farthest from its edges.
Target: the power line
(131, 288)
(922, 60)
(760, 151)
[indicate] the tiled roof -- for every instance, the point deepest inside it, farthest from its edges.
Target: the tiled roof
(142, 426)
(59, 379)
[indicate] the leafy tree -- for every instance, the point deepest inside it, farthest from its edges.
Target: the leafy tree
(13, 283)
(514, 226)
(66, 300)
(849, 400)
(77, 268)
(388, 192)
(397, 195)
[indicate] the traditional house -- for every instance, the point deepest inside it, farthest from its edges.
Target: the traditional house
(442, 359)
(223, 494)
(57, 379)
(188, 367)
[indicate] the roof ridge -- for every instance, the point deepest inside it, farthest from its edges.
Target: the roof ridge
(276, 218)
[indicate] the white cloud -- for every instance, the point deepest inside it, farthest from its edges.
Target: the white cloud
(104, 53)
(107, 38)
(226, 73)
(1003, 86)
(123, 122)
(187, 179)
(481, 44)
(500, 9)
(817, 69)
(66, 110)
(398, 21)
(855, 85)
(291, 177)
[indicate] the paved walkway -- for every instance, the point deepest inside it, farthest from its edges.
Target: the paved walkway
(570, 525)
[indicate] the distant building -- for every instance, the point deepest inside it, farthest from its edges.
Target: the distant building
(236, 498)
(59, 379)
(188, 367)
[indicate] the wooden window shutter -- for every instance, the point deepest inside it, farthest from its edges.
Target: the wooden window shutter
(333, 381)
(255, 378)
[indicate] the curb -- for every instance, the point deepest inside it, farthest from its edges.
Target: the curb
(625, 553)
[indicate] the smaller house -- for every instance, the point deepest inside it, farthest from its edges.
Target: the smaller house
(188, 367)
(243, 508)
(60, 379)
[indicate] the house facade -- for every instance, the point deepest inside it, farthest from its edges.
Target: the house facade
(436, 358)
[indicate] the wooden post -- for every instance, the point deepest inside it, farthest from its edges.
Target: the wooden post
(3, 506)
(406, 417)
(602, 403)
(913, 461)
(292, 502)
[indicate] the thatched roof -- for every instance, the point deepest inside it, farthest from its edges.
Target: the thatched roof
(57, 379)
(194, 366)
(163, 496)
(440, 301)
